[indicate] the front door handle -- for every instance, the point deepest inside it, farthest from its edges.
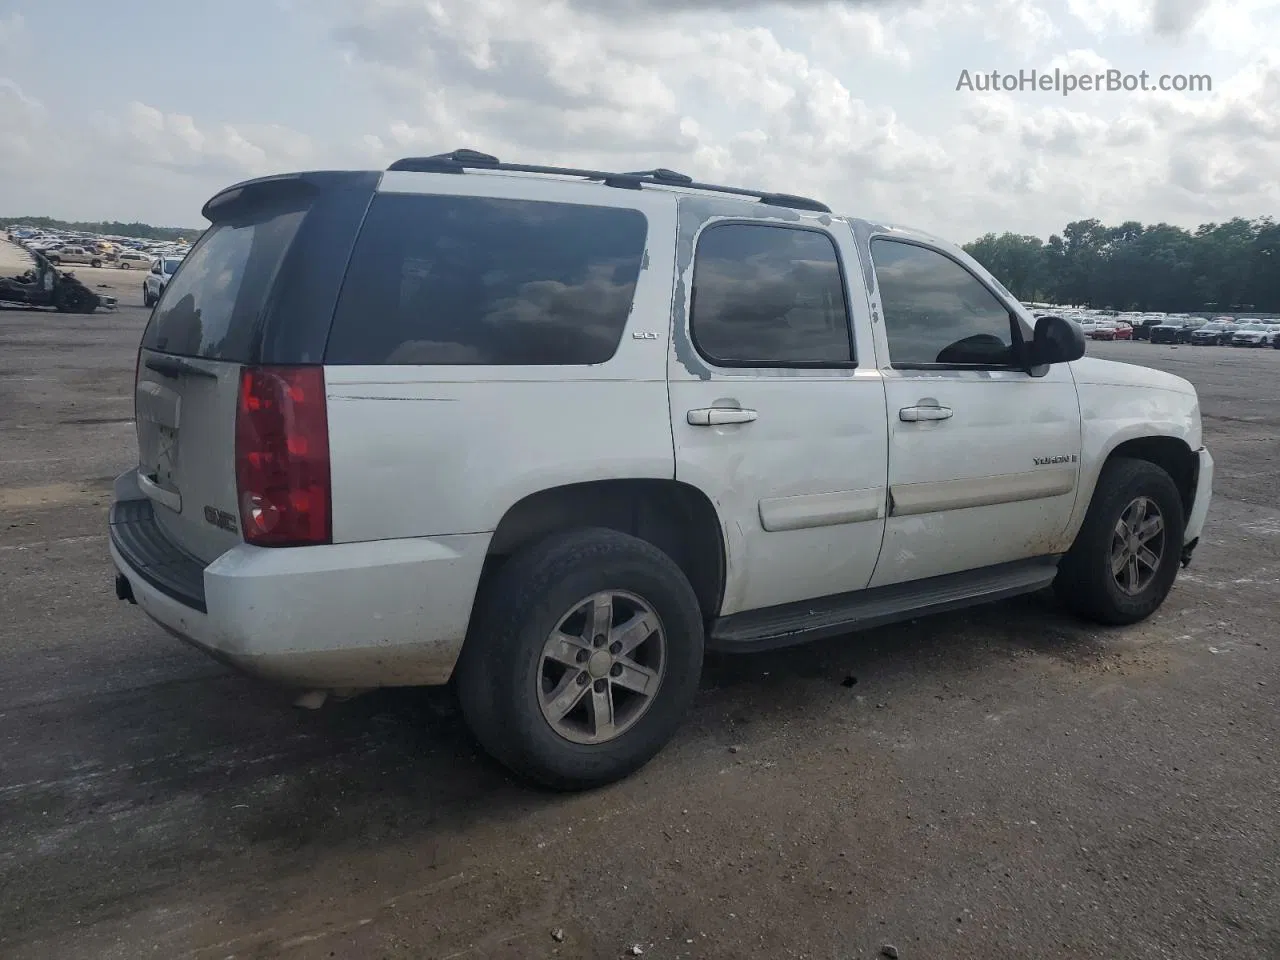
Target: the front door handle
(714, 416)
(926, 409)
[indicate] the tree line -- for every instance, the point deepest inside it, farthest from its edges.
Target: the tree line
(111, 228)
(1232, 266)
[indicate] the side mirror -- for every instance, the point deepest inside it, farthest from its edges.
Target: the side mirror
(1056, 340)
(155, 267)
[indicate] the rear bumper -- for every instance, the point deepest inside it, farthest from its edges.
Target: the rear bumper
(380, 613)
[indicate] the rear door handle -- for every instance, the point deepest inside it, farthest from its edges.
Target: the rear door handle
(714, 416)
(926, 409)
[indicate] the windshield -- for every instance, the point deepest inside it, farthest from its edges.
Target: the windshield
(1213, 327)
(1250, 326)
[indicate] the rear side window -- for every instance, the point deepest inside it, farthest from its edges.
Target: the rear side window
(769, 296)
(470, 280)
(211, 307)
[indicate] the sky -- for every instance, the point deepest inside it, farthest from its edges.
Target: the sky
(142, 111)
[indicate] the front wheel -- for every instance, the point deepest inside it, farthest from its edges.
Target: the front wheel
(584, 653)
(1125, 558)
(146, 297)
(95, 263)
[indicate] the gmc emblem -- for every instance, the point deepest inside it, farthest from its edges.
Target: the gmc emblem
(221, 519)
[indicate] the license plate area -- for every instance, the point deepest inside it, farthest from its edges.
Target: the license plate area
(159, 418)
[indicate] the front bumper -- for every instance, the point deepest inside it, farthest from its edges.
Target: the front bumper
(380, 613)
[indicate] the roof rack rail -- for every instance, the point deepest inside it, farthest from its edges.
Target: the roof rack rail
(459, 161)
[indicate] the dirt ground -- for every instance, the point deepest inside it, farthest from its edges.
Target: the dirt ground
(1001, 783)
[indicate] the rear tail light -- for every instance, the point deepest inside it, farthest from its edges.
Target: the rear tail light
(282, 457)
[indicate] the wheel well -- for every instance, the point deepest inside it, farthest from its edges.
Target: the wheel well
(1173, 456)
(675, 517)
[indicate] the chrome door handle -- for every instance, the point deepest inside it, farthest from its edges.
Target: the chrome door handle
(926, 409)
(714, 416)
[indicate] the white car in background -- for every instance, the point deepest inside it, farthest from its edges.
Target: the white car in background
(162, 271)
(132, 260)
(1254, 333)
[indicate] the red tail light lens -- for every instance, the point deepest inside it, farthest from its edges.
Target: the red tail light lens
(282, 457)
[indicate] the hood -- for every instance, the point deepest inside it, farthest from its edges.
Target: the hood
(1091, 370)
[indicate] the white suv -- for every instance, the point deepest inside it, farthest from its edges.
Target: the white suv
(546, 434)
(162, 271)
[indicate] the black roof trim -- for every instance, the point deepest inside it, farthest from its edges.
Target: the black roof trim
(459, 161)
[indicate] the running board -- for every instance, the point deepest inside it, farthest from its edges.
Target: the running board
(793, 623)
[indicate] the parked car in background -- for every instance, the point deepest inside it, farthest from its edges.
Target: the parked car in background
(1215, 333)
(1170, 330)
(1101, 330)
(1123, 331)
(132, 260)
(71, 254)
(1253, 334)
(161, 273)
(1142, 325)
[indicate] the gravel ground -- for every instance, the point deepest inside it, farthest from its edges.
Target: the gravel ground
(1002, 783)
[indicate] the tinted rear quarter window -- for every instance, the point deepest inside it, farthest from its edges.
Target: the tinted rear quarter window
(210, 307)
(469, 280)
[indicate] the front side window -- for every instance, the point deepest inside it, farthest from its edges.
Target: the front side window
(769, 296)
(937, 313)
(474, 280)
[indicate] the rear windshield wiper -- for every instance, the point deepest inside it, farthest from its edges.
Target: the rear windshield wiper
(177, 367)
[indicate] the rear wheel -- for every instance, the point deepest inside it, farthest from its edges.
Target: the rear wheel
(146, 297)
(584, 653)
(95, 263)
(124, 265)
(1125, 558)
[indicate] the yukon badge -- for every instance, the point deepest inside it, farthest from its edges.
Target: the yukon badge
(1046, 461)
(221, 519)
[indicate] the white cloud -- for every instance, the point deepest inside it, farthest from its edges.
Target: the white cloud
(853, 102)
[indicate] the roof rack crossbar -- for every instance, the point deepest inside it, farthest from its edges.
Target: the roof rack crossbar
(459, 161)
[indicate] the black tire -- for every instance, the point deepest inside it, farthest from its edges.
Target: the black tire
(54, 260)
(124, 265)
(1085, 583)
(146, 297)
(95, 263)
(500, 668)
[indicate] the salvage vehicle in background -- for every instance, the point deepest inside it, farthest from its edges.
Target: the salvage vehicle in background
(43, 286)
(548, 435)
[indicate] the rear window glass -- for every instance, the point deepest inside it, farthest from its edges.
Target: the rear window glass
(210, 307)
(469, 280)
